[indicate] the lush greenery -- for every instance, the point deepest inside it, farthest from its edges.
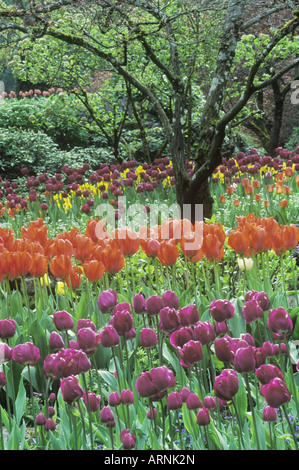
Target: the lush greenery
(68, 282)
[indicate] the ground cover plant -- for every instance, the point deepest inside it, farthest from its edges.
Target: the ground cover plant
(138, 330)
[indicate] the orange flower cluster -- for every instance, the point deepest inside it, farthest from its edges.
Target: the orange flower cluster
(257, 235)
(195, 241)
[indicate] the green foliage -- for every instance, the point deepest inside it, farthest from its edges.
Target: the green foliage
(36, 150)
(55, 116)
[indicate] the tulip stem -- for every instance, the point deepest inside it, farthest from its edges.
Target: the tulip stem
(295, 390)
(83, 423)
(1, 430)
(294, 278)
(290, 426)
(252, 409)
(32, 401)
(239, 423)
(89, 412)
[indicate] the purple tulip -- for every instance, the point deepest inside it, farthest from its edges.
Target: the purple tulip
(63, 321)
(203, 417)
(193, 402)
(153, 305)
(71, 390)
(170, 299)
(279, 321)
(244, 360)
(7, 328)
(189, 315)
(191, 353)
(148, 338)
(252, 311)
(88, 340)
(139, 303)
(221, 310)
(276, 393)
(204, 332)
(266, 372)
(55, 341)
(107, 300)
(174, 401)
(226, 384)
(26, 354)
(269, 414)
(109, 337)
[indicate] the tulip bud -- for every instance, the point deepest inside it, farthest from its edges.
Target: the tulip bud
(203, 417)
(2, 379)
(106, 415)
(63, 321)
(40, 419)
(127, 397)
(107, 300)
(71, 390)
(221, 310)
(226, 384)
(174, 401)
(279, 321)
(153, 305)
(26, 354)
(55, 341)
(148, 338)
(138, 303)
(114, 399)
(7, 328)
(50, 425)
(109, 337)
(244, 360)
(193, 402)
(269, 414)
(276, 393)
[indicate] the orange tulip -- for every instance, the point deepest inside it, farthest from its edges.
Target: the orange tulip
(266, 203)
(112, 257)
(60, 266)
(212, 247)
(83, 246)
(230, 190)
(249, 189)
(195, 240)
(74, 277)
(60, 246)
(93, 270)
(239, 242)
(245, 182)
(283, 203)
(36, 231)
(168, 253)
(257, 197)
(222, 198)
(5, 264)
(288, 171)
(260, 239)
(95, 230)
(127, 240)
(150, 246)
(287, 190)
(39, 265)
(21, 262)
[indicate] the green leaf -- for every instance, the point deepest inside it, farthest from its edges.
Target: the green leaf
(20, 402)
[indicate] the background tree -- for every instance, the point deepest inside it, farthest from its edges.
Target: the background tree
(153, 43)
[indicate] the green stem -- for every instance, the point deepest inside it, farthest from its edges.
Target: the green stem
(89, 412)
(252, 410)
(290, 426)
